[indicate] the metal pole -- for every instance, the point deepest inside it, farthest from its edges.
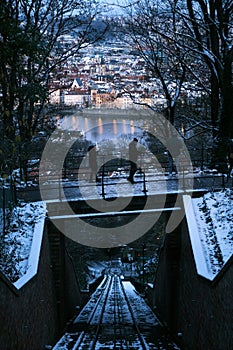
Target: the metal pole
(102, 182)
(223, 181)
(59, 187)
(4, 208)
(144, 183)
(143, 264)
(184, 187)
(202, 157)
(65, 168)
(15, 191)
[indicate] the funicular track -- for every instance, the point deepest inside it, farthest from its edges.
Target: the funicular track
(108, 321)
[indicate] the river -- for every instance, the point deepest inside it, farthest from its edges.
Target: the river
(105, 124)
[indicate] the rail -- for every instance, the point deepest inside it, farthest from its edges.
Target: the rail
(102, 298)
(70, 186)
(108, 321)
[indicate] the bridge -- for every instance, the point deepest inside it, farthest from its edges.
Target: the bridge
(70, 197)
(73, 183)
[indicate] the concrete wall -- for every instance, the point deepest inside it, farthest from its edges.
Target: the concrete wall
(29, 320)
(190, 305)
(73, 297)
(33, 317)
(67, 292)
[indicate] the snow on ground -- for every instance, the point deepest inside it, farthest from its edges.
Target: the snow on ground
(144, 314)
(214, 222)
(17, 242)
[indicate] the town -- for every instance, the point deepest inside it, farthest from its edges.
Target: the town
(111, 75)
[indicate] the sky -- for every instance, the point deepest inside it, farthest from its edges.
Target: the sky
(116, 5)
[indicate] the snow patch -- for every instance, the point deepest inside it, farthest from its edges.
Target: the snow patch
(20, 246)
(211, 230)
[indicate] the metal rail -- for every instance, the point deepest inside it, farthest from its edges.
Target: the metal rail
(114, 291)
(93, 343)
(111, 324)
(84, 333)
(141, 338)
(147, 183)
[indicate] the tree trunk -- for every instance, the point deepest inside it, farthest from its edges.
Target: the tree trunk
(215, 103)
(226, 117)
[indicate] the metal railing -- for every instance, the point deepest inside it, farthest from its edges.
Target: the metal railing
(73, 180)
(8, 199)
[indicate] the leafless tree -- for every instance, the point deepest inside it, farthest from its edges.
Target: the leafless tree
(195, 37)
(32, 34)
(151, 28)
(209, 26)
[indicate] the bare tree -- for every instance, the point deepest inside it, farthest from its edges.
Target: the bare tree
(151, 29)
(210, 35)
(31, 46)
(195, 37)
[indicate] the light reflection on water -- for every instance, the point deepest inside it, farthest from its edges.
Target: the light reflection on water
(97, 128)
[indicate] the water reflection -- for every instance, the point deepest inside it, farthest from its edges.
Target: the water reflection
(114, 122)
(98, 128)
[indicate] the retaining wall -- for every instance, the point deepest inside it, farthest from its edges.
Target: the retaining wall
(28, 317)
(199, 311)
(33, 316)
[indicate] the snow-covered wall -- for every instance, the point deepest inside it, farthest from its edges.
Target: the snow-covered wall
(21, 243)
(192, 306)
(29, 317)
(199, 253)
(209, 220)
(34, 310)
(34, 255)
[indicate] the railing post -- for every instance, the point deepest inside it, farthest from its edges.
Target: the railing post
(184, 187)
(4, 208)
(144, 183)
(102, 182)
(15, 190)
(143, 265)
(65, 169)
(59, 187)
(223, 181)
(202, 157)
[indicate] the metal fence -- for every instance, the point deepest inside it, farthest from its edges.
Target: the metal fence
(72, 164)
(8, 199)
(73, 179)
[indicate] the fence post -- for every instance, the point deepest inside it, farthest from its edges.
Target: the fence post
(144, 183)
(202, 157)
(59, 187)
(184, 187)
(15, 190)
(4, 208)
(102, 182)
(223, 181)
(65, 169)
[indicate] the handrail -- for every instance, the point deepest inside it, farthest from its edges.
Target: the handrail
(203, 181)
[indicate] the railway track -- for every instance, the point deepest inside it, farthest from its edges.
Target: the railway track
(115, 318)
